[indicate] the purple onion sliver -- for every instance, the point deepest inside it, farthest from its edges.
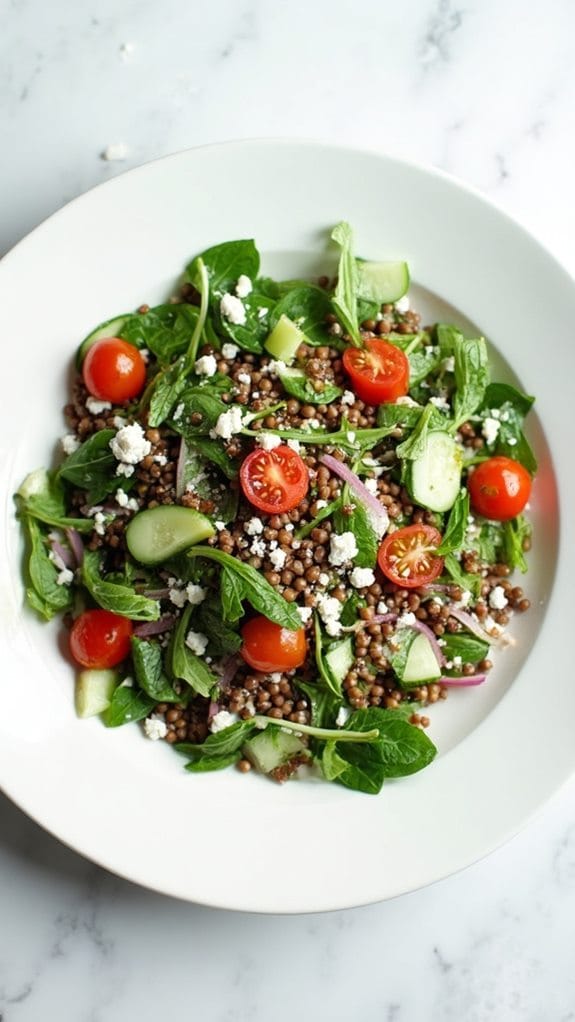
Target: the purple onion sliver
(358, 487)
(213, 708)
(76, 545)
(181, 468)
(419, 626)
(163, 624)
(380, 619)
(463, 680)
(470, 623)
(231, 668)
(157, 594)
(65, 556)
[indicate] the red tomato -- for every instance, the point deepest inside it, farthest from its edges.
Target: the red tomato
(274, 481)
(114, 370)
(269, 647)
(407, 556)
(100, 638)
(379, 371)
(499, 488)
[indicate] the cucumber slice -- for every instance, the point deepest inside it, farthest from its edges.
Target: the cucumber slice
(273, 748)
(284, 339)
(434, 479)
(94, 691)
(382, 282)
(156, 535)
(339, 659)
(421, 664)
(111, 328)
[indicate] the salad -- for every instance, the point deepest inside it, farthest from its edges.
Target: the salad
(284, 520)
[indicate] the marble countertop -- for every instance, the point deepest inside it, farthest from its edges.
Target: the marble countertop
(484, 89)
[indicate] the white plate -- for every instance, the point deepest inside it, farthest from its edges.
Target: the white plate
(225, 839)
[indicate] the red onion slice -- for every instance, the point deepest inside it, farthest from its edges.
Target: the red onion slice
(76, 544)
(213, 708)
(63, 556)
(463, 680)
(163, 624)
(369, 499)
(470, 623)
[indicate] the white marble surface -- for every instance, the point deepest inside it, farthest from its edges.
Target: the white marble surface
(484, 89)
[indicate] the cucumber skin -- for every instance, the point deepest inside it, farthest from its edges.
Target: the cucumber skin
(142, 532)
(422, 653)
(420, 488)
(373, 285)
(111, 328)
(94, 690)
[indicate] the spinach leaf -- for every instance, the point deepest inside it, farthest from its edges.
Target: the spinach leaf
(185, 664)
(165, 330)
(515, 532)
(307, 306)
(351, 607)
(208, 619)
(401, 748)
(512, 406)
(209, 763)
(324, 704)
(328, 679)
(199, 472)
(454, 535)
(93, 466)
(149, 669)
(41, 496)
(213, 451)
(461, 577)
(345, 297)
(225, 263)
(333, 765)
(358, 522)
(120, 599)
(414, 446)
(127, 705)
(449, 339)
(204, 401)
(222, 743)
(249, 585)
(45, 595)
(249, 335)
(301, 387)
(165, 391)
(471, 378)
(499, 394)
(422, 362)
(469, 648)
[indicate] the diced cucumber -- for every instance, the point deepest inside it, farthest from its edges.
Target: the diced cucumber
(273, 748)
(284, 339)
(382, 282)
(434, 479)
(111, 328)
(339, 659)
(94, 691)
(421, 664)
(159, 533)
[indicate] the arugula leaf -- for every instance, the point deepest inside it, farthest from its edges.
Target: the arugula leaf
(45, 595)
(515, 532)
(414, 446)
(471, 378)
(185, 664)
(127, 705)
(165, 330)
(221, 743)
(307, 306)
(301, 387)
(149, 668)
(249, 585)
(454, 534)
(208, 618)
(120, 599)
(225, 263)
(41, 496)
(461, 577)
(165, 391)
(345, 298)
(93, 466)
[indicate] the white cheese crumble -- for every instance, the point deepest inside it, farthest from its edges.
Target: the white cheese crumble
(195, 594)
(276, 367)
(65, 577)
(268, 441)
(305, 614)
(254, 527)
(124, 501)
(69, 443)
(233, 310)
(197, 642)
(244, 378)
(448, 364)
(343, 715)
(330, 612)
(371, 486)
(497, 598)
(155, 728)
(178, 412)
(278, 558)
(440, 402)
(178, 597)
(406, 401)
(348, 398)
(95, 406)
(342, 548)
(118, 421)
(295, 445)
(402, 305)
(229, 423)
(116, 151)
(99, 523)
(244, 286)
(229, 350)
(320, 504)
(206, 365)
(258, 548)
(407, 619)
(129, 445)
(161, 460)
(221, 720)
(361, 577)
(323, 578)
(490, 429)
(124, 470)
(220, 526)
(351, 436)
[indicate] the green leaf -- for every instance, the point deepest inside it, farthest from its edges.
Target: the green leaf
(324, 704)
(332, 765)
(42, 496)
(210, 763)
(127, 705)
(328, 679)
(232, 593)
(213, 451)
(468, 647)
(454, 535)
(165, 330)
(461, 577)
(499, 394)
(512, 406)
(471, 378)
(185, 664)
(515, 532)
(251, 586)
(204, 401)
(400, 750)
(222, 743)
(252, 334)
(166, 389)
(225, 263)
(201, 472)
(358, 522)
(149, 668)
(414, 446)
(307, 306)
(120, 599)
(208, 619)
(345, 297)
(301, 387)
(93, 466)
(44, 595)
(399, 652)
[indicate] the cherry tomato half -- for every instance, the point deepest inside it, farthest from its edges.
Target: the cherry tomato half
(407, 556)
(100, 639)
(269, 647)
(274, 481)
(378, 372)
(499, 488)
(114, 370)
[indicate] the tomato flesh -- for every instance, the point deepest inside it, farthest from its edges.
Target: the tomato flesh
(114, 370)
(100, 639)
(379, 371)
(499, 488)
(407, 556)
(269, 647)
(274, 481)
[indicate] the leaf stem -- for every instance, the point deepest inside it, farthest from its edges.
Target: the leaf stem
(201, 320)
(323, 733)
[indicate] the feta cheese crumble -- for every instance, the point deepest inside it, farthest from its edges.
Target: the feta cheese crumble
(65, 577)
(124, 501)
(305, 613)
(258, 548)
(178, 597)
(402, 305)
(233, 310)
(99, 523)
(295, 445)
(343, 715)
(342, 548)
(229, 423)
(497, 598)
(440, 402)
(197, 642)
(195, 594)
(371, 486)
(490, 429)
(330, 612)
(96, 407)
(221, 720)
(155, 728)
(278, 558)
(361, 577)
(267, 441)
(229, 350)
(129, 445)
(206, 365)
(348, 398)
(244, 378)
(69, 443)
(254, 527)
(244, 286)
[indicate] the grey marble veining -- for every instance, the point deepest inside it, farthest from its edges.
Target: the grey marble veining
(484, 89)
